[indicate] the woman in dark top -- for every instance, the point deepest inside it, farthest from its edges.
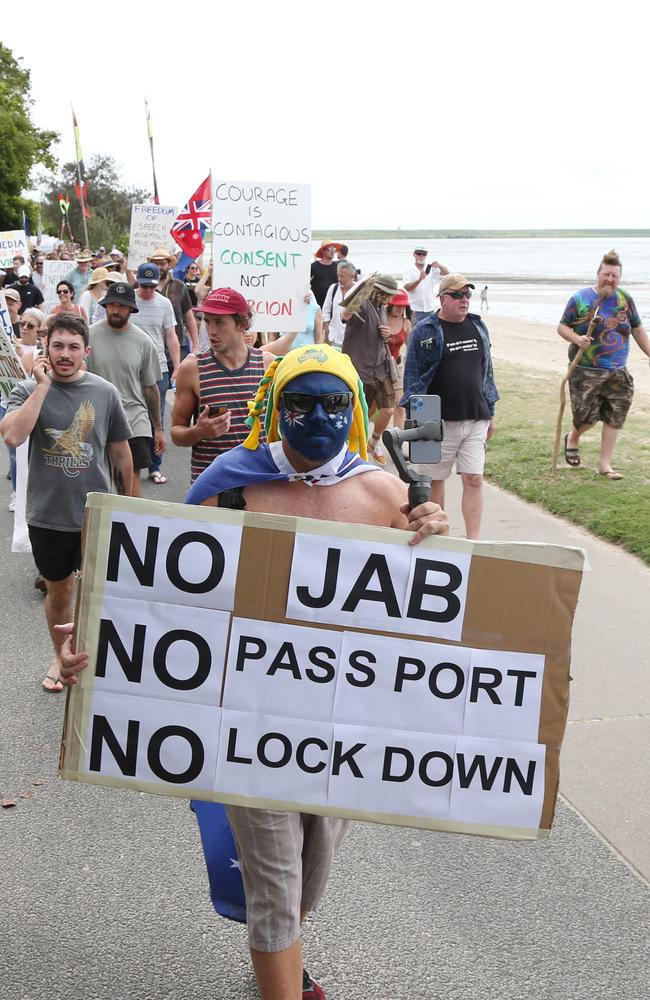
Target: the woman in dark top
(192, 278)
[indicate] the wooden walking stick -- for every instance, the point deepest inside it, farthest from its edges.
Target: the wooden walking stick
(563, 385)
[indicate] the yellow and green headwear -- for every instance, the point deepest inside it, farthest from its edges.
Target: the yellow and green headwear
(301, 361)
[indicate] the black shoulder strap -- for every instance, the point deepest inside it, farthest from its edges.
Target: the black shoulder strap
(233, 499)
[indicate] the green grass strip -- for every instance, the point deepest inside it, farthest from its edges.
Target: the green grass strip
(519, 460)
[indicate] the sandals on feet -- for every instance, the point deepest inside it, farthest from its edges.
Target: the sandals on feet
(571, 455)
(611, 474)
(375, 452)
(56, 687)
(157, 478)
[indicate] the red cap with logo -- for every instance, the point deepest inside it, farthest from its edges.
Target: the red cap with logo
(224, 302)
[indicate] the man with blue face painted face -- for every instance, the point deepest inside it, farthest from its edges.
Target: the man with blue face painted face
(316, 428)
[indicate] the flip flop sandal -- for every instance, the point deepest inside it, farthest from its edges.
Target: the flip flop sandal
(612, 474)
(55, 680)
(158, 478)
(571, 455)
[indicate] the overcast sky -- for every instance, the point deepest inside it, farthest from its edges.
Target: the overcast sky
(473, 115)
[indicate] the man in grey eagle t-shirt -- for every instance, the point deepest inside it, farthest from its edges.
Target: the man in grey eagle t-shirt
(77, 432)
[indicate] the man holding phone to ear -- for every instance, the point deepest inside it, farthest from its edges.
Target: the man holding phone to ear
(213, 388)
(449, 356)
(78, 434)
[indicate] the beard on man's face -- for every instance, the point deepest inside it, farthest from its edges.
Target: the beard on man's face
(117, 321)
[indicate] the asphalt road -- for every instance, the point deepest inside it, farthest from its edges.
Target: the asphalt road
(104, 895)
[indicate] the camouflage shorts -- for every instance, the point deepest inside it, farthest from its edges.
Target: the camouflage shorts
(601, 394)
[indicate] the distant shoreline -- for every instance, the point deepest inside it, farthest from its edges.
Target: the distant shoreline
(474, 234)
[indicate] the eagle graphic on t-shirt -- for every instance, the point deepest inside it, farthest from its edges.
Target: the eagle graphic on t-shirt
(70, 441)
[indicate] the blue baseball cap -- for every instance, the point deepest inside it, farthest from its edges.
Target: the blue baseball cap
(148, 275)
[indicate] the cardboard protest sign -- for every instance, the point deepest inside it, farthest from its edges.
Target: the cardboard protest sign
(13, 242)
(261, 247)
(11, 369)
(150, 225)
(53, 271)
(331, 668)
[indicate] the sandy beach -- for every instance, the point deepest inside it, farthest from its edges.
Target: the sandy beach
(537, 345)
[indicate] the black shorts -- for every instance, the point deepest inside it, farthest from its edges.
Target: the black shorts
(140, 451)
(57, 554)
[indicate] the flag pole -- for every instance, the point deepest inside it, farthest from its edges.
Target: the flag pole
(156, 199)
(79, 159)
(211, 228)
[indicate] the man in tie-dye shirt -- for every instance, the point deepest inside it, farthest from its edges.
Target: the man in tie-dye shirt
(601, 387)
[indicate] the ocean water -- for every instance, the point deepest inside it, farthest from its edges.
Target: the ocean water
(527, 278)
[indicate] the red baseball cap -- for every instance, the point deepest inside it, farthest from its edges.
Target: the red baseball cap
(224, 302)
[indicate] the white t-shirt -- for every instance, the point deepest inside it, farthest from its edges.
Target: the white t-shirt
(423, 298)
(332, 314)
(154, 317)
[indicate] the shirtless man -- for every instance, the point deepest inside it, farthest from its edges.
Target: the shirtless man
(312, 399)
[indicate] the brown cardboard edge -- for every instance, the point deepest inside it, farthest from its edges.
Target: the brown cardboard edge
(385, 819)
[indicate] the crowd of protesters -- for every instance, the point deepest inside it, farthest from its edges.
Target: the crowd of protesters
(102, 362)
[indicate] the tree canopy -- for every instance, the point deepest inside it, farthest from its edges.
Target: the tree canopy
(108, 201)
(22, 145)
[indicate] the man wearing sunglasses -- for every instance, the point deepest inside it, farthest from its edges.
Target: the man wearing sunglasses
(314, 465)
(449, 356)
(30, 296)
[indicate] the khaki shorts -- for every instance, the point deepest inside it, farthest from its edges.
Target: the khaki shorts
(381, 394)
(285, 859)
(464, 444)
(600, 394)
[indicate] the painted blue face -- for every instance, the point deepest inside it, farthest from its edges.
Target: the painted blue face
(318, 436)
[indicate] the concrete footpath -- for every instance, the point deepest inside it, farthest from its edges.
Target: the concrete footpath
(104, 895)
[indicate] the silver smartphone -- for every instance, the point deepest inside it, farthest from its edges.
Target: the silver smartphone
(421, 410)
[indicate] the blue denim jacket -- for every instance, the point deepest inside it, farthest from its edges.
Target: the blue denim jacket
(425, 353)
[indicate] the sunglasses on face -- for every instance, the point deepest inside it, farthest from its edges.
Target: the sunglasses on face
(63, 291)
(29, 326)
(302, 402)
(458, 295)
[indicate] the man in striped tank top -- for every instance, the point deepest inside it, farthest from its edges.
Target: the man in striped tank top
(213, 388)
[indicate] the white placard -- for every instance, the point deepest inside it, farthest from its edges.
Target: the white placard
(498, 781)
(401, 684)
(11, 368)
(342, 707)
(391, 772)
(261, 248)
(13, 243)
(287, 671)
(166, 651)
(53, 271)
(505, 694)
(267, 756)
(146, 739)
(150, 225)
(173, 561)
(379, 586)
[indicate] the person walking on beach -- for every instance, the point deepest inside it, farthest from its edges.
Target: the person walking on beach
(601, 387)
(421, 282)
(484, 299)
(449, 356)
